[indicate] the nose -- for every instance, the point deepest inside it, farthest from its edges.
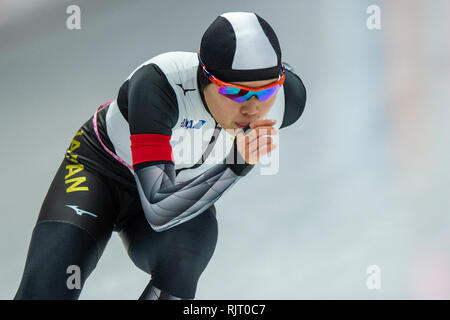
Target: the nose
(250, 107)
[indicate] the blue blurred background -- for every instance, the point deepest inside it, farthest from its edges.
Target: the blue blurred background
(364, 174)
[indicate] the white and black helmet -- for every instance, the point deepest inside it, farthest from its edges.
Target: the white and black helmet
(241, 46)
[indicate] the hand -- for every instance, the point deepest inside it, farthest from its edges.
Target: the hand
(255, 143)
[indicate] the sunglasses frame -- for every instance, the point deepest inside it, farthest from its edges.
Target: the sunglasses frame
(222, 84)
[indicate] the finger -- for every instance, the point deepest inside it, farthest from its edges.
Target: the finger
(268, 148)
(261, 131)
(262, 122)
(259, 143)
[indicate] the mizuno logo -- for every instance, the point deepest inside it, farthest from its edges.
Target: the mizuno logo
(80, 212)
(189, 124)
(184, 90)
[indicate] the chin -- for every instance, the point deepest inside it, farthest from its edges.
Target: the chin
(231, 129)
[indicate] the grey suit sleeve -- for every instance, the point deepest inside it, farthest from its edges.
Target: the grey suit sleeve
(167, 204)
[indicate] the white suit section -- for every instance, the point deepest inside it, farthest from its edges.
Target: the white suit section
(118, 132)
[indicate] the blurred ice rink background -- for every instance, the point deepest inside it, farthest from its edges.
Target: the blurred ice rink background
(364, 174)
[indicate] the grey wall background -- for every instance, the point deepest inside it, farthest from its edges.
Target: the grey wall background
(364, 176)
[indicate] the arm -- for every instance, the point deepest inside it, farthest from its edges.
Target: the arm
(152, 113)
(166, 204)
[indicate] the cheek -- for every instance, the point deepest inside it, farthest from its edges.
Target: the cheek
(220, 101)
(267, 105)
(228, 107)
(224, 109)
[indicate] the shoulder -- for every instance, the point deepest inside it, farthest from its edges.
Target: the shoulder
(174, 65)
(166, 74)
(294, 96)
(154, 91)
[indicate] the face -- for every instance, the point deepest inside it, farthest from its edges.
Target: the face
(234, 115)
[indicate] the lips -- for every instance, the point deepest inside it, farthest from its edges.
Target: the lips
(241, 124)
